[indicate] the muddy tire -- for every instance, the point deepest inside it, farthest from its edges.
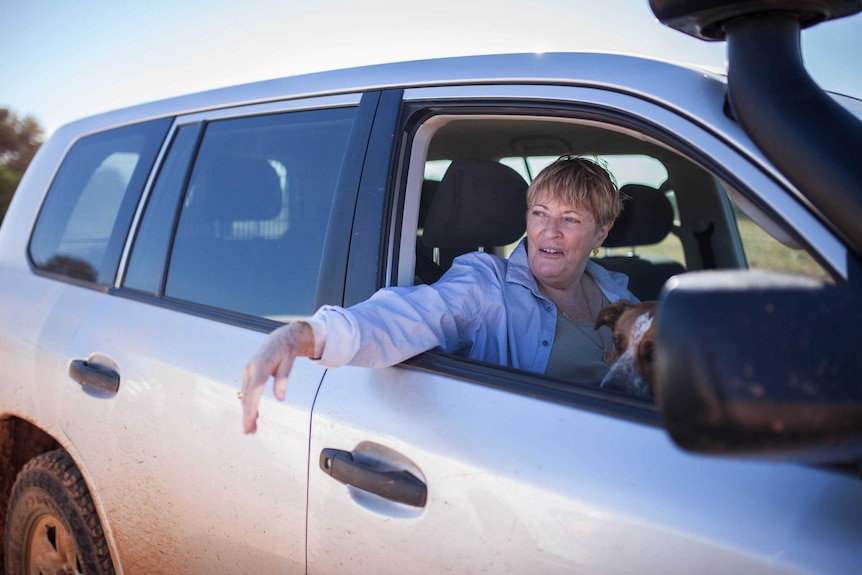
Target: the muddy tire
(51, 523)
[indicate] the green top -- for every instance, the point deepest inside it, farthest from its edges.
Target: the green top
(576, 356)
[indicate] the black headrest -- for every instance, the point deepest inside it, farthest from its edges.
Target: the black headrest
(647, 218)
(236, 188)
(478, 203)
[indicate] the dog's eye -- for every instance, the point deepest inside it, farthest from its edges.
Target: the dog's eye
(618, 344)
(648, 352)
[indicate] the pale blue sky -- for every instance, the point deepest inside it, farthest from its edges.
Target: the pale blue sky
(61, 60)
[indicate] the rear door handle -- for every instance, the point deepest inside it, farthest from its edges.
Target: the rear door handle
(94, 378)
(400, 486)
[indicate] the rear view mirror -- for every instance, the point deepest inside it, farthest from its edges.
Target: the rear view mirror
(752, 363)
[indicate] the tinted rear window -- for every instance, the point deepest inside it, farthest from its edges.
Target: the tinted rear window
(86, 215)
(254, 216)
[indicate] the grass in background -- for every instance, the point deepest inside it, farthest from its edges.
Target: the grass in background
(762, 251)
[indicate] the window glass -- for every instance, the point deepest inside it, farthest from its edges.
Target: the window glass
(627, 169)
(435, 169)
(253, 219)
(85, 219)
(149, 254)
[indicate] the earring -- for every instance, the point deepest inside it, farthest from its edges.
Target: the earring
(595, 252)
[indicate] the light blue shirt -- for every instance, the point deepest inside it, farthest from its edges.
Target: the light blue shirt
(484, 308)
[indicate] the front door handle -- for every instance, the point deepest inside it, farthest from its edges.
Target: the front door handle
(400, 486)
(94, 378)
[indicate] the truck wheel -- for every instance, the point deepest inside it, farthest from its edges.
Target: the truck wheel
(51, 523)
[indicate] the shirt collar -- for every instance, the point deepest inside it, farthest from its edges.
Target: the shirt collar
(518, 270)
(612, 284)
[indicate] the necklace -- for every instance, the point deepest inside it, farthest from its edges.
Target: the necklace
(606, 355)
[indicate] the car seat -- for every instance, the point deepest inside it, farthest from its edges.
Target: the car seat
(647, 219)
(479, 204)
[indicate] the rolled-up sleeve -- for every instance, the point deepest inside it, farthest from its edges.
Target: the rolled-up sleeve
(398, 323)
(336, 325)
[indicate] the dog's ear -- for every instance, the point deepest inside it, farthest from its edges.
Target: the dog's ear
(651, 307)
(609, 315)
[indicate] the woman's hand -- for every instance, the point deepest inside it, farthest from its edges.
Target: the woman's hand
(273, 358)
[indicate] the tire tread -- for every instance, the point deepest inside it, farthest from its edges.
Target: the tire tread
(45, 472)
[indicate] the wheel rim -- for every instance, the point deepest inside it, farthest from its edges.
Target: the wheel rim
(51, 550)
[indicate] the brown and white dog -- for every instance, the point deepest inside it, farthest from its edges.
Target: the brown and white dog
(633, 328)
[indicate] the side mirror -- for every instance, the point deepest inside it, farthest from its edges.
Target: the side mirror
(760, 364)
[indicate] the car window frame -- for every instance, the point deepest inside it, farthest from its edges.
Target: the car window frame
(668, 126)
(350, 171)
(124, 222)
(696, 142)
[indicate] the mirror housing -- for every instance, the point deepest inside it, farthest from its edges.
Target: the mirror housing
(760, 364)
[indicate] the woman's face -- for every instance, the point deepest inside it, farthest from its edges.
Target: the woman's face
(560, 238)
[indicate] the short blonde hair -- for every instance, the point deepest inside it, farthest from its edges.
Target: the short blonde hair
(581, 182)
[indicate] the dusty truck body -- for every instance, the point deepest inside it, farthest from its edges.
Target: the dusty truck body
(149, 250)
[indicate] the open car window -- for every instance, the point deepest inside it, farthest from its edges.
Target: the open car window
(713, 225)
(705, 223)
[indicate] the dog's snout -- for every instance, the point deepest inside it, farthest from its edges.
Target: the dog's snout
(615, 384)
(624, 378)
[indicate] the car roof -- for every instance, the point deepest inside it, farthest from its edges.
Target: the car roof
(678, 87)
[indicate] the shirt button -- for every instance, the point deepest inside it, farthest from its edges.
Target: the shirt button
(548, 308)
(545, 343)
